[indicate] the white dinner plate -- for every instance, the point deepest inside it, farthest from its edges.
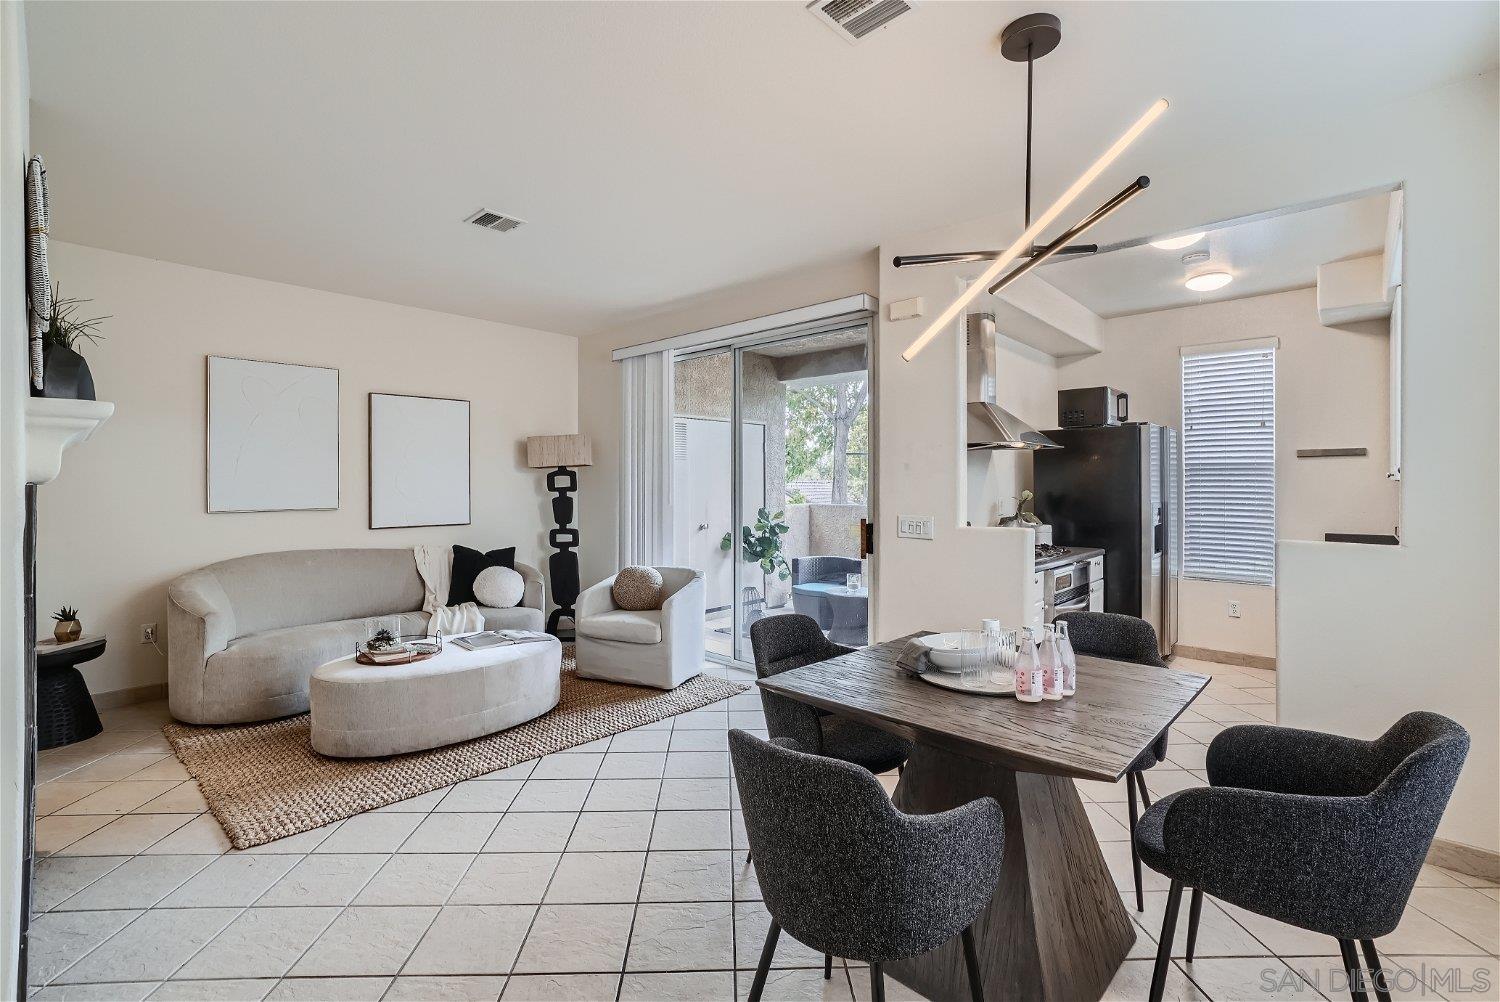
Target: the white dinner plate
(988, 688)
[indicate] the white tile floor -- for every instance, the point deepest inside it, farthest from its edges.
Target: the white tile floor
(614, 871)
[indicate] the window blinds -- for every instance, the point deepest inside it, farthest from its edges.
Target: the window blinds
(1229, 465)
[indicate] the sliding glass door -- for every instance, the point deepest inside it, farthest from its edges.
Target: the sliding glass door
(771, 482)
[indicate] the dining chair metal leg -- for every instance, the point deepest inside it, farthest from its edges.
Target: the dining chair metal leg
(971, 961)
(1378, 977)
(764, 967)
(1135, 854)
(1164, 944)
(877, 983)
(827, 967)
(1140, 780)
(1195, 911)
(1354, 970)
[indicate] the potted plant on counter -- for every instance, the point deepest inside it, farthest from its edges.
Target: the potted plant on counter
(67, 374)
(68, 628)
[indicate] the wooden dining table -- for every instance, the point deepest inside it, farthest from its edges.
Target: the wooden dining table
(1056, 928)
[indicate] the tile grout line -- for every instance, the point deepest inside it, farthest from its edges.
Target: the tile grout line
(542, 900)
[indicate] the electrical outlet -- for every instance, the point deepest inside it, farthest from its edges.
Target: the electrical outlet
(148, 633)
(914, 526)
(1234, 610)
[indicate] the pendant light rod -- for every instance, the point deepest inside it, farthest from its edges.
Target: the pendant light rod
(1030, 63)
(1131, 190)
(965, 257)
(1028, 238)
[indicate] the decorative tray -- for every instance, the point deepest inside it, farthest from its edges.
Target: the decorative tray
(403, 650)
(945, 680)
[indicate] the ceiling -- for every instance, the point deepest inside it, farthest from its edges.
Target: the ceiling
(1272, 254)
(657, 151)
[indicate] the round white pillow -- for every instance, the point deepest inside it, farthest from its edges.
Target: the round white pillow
(499, 588)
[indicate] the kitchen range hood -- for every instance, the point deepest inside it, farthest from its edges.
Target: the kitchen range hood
(990, 425)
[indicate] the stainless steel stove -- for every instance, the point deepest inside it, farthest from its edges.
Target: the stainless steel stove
(1049, 551)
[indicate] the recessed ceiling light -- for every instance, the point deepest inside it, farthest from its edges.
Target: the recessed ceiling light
(1177, 243)
(1209, 281)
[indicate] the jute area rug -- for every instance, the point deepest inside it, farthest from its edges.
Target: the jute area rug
(264, 781)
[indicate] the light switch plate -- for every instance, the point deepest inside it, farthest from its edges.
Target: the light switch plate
(914, 526)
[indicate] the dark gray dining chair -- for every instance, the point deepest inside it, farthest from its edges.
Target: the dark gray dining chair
(846, 873)
(781, 643)
(1123, 638)
(1323, 832)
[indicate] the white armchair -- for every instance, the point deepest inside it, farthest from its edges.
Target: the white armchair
(659, 647)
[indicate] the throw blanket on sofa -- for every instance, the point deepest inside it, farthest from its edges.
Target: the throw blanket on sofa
(435, 564)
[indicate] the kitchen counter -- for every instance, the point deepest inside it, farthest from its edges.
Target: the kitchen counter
(1073, 556)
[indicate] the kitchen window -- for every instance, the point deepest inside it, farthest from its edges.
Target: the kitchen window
(1229, 463)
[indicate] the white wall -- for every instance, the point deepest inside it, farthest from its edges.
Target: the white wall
(1368, 632)
(599, 380)
(14, 146)
(128, 514)
(1331, 391)
(966, 572)
(1026, 383)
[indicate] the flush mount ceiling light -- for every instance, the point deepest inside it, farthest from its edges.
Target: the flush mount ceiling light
(1177, 243)
(1209, 281)
(1026, 40)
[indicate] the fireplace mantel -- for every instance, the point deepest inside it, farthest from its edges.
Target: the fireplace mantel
(52, 425)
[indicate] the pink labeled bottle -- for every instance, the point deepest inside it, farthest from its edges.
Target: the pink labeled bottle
(1050, 660)
(1069, 660)
(1028, 671)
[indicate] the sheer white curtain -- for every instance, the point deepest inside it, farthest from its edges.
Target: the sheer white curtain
(646, 459)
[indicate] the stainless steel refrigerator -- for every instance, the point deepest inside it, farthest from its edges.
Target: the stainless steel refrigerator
(1119, 487)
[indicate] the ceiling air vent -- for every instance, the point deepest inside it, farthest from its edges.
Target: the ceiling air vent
(497, 221)
(856, 20)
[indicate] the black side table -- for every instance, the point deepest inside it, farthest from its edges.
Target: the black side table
(65, 711)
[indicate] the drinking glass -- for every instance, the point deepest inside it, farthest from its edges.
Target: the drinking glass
(1002, 662)
(974, 673)
(853, 582)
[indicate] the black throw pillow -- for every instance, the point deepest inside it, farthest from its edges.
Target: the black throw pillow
(468, 563)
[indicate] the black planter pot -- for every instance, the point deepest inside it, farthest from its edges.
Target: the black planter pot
(66, 374)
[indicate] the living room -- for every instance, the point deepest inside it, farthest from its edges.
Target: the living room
(332, 328)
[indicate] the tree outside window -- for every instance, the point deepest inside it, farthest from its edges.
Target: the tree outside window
(828, 439)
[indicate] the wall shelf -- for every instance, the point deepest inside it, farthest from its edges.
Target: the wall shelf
(52, 426)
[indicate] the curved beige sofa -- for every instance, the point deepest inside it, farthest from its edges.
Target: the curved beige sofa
(244, 635)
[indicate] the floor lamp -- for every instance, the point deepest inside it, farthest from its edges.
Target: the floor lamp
(561, 454)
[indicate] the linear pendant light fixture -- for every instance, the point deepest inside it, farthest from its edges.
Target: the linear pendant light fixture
(1027, 39)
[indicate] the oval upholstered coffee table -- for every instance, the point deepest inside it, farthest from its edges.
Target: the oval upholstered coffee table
(365, 711)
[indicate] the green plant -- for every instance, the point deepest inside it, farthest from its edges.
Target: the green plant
(66, 614)
(65, 329)
(761, 544)
(381, 640)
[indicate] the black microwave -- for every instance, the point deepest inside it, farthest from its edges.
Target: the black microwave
(1092, 407)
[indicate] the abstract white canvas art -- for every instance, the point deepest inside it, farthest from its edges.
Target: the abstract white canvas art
(419, 461)
(273, 436)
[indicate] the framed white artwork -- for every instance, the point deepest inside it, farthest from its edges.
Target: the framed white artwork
(272, 436)
(419, 461)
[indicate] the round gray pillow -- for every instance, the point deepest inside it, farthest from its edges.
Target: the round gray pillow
(638, 589)
(499, 588)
